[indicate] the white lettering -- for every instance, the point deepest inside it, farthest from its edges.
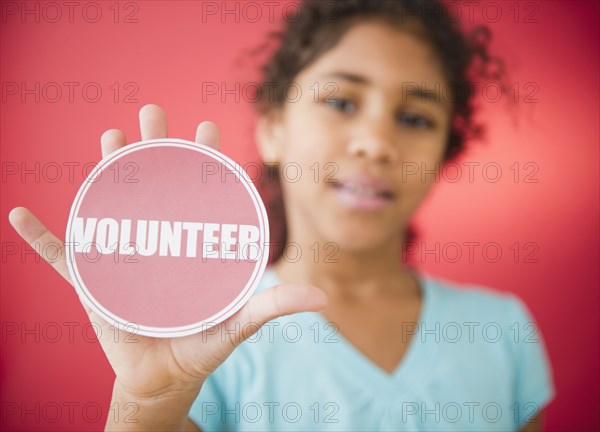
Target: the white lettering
(165, 238)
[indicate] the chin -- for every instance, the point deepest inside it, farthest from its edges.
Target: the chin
(359, 239)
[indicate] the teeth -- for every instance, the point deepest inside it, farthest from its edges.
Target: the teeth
(361, 190)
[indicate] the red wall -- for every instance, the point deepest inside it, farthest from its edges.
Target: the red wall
(167, 55)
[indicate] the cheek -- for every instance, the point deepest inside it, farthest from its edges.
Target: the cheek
(418, 169)
(299, 162)
(308, 142)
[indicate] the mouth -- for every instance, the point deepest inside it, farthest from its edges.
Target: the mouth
(364, 193)
(364, 190)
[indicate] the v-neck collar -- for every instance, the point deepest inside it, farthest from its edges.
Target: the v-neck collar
(414, 366)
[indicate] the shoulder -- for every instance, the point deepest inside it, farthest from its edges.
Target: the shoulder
(474, 300)
(489, 320)
(495, 333)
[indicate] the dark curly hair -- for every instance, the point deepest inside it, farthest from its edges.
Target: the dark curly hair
(317, 25)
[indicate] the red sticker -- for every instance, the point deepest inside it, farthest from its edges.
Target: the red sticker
(167, 238)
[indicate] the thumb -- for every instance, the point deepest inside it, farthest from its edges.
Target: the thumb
(277, 301)
(220, 341)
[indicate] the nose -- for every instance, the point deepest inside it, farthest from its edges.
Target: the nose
(374, 139)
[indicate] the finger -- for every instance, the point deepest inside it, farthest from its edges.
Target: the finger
(46, 244)
(208, 134)
(112, 140)
(280, 300)
(153, 122)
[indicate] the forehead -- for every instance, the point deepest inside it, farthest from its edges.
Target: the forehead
(385, 55)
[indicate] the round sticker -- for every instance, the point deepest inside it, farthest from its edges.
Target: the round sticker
(166, 238)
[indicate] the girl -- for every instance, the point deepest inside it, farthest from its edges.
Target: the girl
(354, 339)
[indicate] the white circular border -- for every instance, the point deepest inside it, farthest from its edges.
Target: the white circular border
(165, 332)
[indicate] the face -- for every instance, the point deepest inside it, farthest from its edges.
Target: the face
(357, 148)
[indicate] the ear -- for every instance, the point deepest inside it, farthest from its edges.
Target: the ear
(269, 137)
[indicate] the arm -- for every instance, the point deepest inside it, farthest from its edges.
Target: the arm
(533, 425)
(190, 426)
(164, 413)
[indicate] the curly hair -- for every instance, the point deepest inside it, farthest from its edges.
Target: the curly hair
(317, 25)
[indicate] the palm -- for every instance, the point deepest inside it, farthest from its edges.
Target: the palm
(147, 366)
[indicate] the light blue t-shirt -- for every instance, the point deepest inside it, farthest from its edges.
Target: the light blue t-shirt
(476, 362)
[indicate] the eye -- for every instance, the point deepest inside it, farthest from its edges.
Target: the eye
(415, 121)
(341, 104)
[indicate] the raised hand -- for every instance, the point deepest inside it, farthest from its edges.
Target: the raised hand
(151, 369)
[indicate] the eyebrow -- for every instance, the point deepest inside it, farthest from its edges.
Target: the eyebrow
(415, 92)
(358, 79)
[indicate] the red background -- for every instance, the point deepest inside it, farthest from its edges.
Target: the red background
(170, 52)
